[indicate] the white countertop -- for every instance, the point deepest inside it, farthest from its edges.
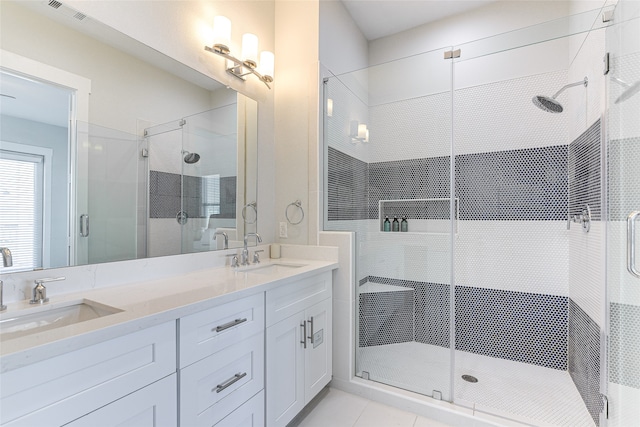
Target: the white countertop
(147, 304)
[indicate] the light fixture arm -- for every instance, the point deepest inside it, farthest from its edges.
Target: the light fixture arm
(237, 69)
(584, 83)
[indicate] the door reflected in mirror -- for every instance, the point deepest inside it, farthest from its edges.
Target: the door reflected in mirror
(140, 158)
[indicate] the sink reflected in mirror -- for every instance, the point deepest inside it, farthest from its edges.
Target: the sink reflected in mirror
(271, 268)
(47, 317)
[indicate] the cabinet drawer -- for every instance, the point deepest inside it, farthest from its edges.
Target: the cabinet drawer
(153, 406)
(249, 414)
(61, 389)
(287, 300)
(209, 331)
(221, 382)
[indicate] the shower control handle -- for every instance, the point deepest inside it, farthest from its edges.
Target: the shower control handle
(631, 243)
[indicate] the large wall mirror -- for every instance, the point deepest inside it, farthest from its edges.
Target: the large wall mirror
(110, 150)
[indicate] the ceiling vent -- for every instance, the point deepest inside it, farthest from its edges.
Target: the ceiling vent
(66, 11)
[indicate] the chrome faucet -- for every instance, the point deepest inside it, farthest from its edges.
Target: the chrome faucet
(40, 292)
(226, 238)
(2, 306)
(7, 259)
(245, 251)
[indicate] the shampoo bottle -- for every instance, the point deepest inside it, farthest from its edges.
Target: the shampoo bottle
(396, 225)
(404, 225)
(387, 224)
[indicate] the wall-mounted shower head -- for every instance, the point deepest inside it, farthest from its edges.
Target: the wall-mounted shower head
(191, 158)
(629, 89)
(551, 105)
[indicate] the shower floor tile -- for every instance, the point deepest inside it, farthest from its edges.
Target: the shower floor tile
(519, 391)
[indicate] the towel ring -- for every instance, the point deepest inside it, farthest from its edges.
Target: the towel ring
(297, 204)
(254, 206)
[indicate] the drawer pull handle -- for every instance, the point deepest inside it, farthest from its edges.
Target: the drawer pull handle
(229, 325)
(311, 335)
(230, 381)
(303, 325)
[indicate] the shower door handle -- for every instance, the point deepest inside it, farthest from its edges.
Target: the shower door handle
(631, 243)
(84, 225)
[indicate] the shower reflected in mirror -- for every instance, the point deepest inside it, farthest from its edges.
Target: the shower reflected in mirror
(191, 158)
(629, 89)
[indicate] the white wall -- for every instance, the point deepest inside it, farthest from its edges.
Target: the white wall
(494, 18)
(296, 114)
(343, 47)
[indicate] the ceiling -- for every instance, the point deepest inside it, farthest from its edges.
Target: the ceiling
(380, 18)
(29, 99)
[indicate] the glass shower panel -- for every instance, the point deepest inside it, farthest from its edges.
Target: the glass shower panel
(398, 168)
(164, 144)
(623, 158)
(107, 200)
(526, 289)
(210, 177)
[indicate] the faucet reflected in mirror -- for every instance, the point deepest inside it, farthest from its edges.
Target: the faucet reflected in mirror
(111, 166)
(7, 258)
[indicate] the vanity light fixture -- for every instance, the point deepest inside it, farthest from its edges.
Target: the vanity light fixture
(358, 132)
(329, 107)
(249, 64)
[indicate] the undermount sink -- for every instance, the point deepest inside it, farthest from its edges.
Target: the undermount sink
(272, 268)
(42, 318)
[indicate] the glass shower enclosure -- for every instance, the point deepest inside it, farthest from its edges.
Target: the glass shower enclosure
(495, 296)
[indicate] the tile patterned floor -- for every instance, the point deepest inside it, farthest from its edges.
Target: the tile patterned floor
(335, 408)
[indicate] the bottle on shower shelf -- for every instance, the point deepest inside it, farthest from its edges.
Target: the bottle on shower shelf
(386, 226)
(395, 226)
(404, 225)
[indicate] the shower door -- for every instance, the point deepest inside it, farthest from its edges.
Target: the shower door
(105, 215)
(529, 285)
(623, 237)
(387, 155)
(210, 178)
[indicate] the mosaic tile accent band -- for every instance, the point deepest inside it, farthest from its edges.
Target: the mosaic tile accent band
(525, 327)
(426, 178)
(583, 357)
(527, 184)
(347, 187)
(386, 318)
(584, 169)
(166, 197)
(624, 346)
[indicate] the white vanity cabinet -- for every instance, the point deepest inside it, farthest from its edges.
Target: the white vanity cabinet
(153, 406)
(222, 364)
(65, 388)
(298, 342)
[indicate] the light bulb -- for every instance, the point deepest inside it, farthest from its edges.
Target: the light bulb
(267, 64)
(250, 50)
(221, 33)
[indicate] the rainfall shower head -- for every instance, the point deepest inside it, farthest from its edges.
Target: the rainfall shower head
(547, 104)
(191, 158)
(551, 105)
(629, 89)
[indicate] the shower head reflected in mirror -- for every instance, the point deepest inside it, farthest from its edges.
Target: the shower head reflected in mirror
(191, 158)
(629, 89)
(551, 105)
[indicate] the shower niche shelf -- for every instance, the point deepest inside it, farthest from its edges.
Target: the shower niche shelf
(375, 288)
(425, 216)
